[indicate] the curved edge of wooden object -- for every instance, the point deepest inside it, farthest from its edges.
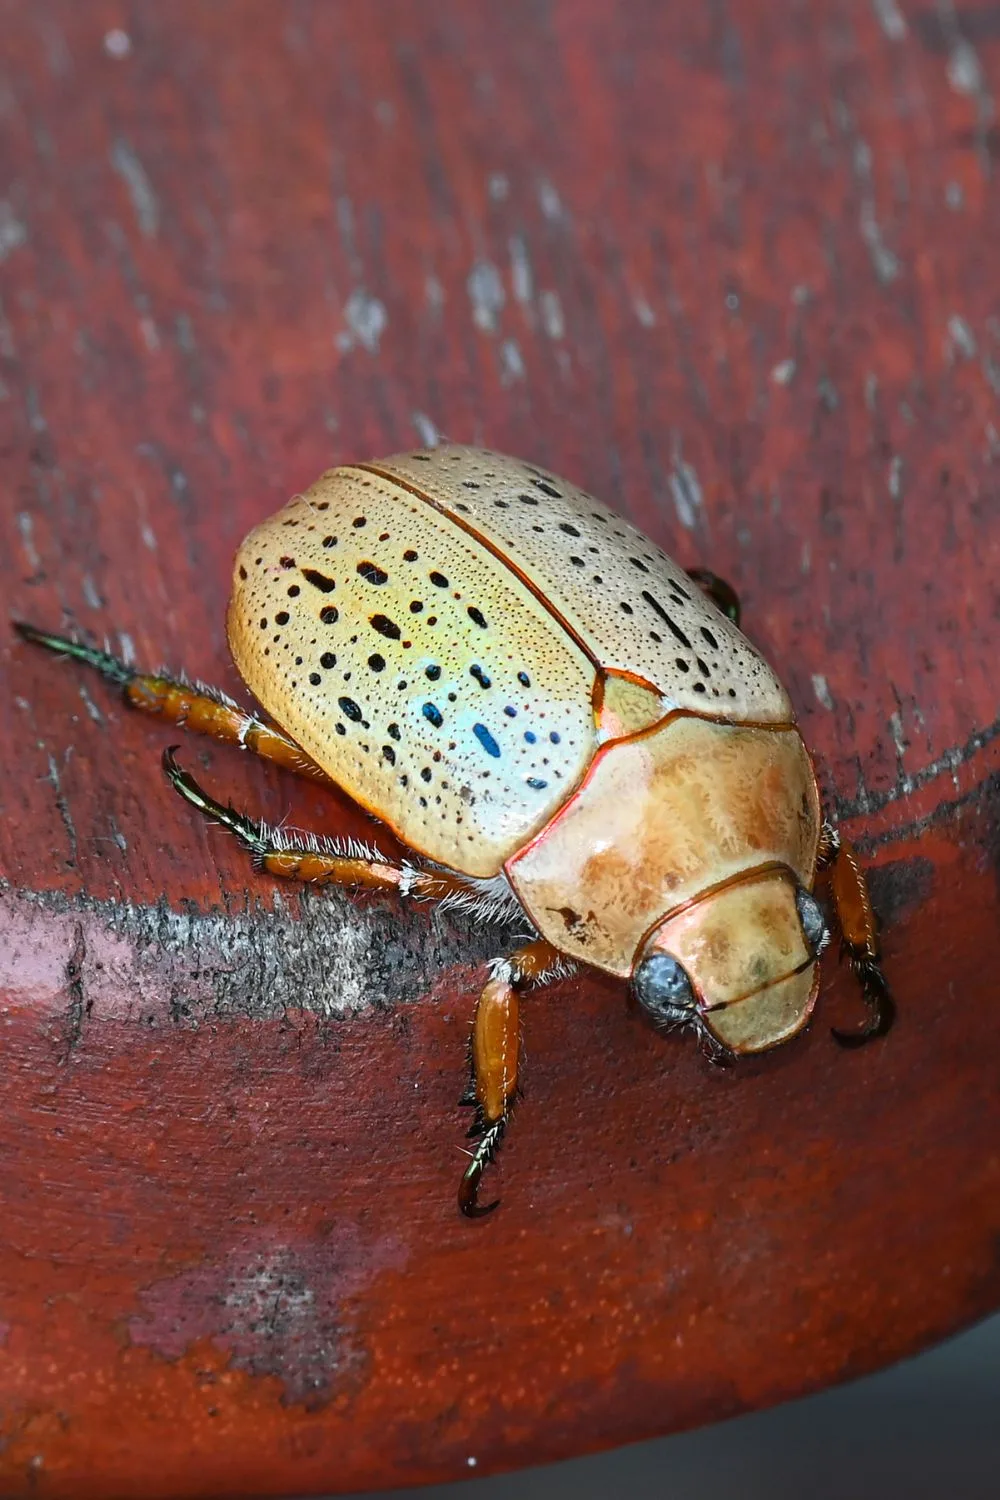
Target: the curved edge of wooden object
(748, 297)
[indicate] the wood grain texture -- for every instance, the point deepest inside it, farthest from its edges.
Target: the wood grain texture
(731, 267)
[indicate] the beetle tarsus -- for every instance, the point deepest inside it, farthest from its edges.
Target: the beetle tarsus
(245, 829)
(878, 999)
(485, 1152)
(111, 667)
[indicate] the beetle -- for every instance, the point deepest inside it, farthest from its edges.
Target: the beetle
(558, 721)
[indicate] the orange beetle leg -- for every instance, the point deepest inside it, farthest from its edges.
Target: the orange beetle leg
(191, 705)
(721, 593)
(859, 929)
(494, 1049)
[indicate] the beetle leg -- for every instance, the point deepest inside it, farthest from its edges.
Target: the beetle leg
(495, 1048)
(194, 706)
(859, 929)
(721, 593)
(312, 860)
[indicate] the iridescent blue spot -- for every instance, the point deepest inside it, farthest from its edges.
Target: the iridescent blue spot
(530, 737)
(487, 741)
(434, 715)
(480, 676)
(554, 737)
(510, 712)
(536, 784)
(524, 679)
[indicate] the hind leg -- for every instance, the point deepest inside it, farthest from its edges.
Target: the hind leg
(859, 929)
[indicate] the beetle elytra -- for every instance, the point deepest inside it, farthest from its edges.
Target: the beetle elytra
(557, 720)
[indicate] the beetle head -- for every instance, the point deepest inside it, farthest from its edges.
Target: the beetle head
(738, 963)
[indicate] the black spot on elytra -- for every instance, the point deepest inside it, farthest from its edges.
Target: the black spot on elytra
(547, 489)
(319, 580)
(568, 529)
(328, 660)
(281, 618)
(707, 635)
(329, 614)
(439, 580)
(372, 573)
(480, 676)
(433, 714)
(384, 626)
(389, 754)
(674, 629)
(288, 562)
(315, 679)
(376, 662)
(476, 616)
(433, 672)
(350, 709)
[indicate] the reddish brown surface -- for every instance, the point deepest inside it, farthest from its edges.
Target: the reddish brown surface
(747, 261)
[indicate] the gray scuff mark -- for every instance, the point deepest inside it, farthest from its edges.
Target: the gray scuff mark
(954, 196)
(385, 113)
(140, 189)
(549, 200)
(871, 393)
(643, 311)
(521, 278)
(822, 690)
(890, 18)
(13, 234)
(950, 760)
(126, 648)
(685, 491)
(827, 393)
(79, 1006)
(26, 528)
(366, 320)
(991, 370)
(551, 313)
(90, 593)
(968, 78)
(150, 334)
(148, 536)
(895, 477)
(885, 263)
(511, 362)
(784, 372)
(899, 739)
(965, 72)
(63, 806)
(486, 294)
(90, 705)
(426, 431)
(434, 295)
(961, 336)
(498, 186)
(326, 953)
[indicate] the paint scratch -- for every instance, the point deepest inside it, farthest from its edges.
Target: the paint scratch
(366, 320)
(140, 189)
(13, 233)
(486, 294)
(890, 18)
(686, 493)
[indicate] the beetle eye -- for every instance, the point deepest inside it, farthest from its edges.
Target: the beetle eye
(813, 925)
(663, 989)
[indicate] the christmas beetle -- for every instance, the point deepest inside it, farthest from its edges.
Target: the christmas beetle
(558, 721)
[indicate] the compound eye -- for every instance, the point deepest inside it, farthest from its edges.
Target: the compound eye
(664, 990)
(813, 926)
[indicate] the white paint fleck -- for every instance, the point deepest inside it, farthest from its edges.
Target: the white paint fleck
(498, 186)
(472, 1462)
(964, 71)
(511, 362)
(801, 294)
(150, 336)
(140, 189)
(434, 295)
(90, 593)
(521, 278)
(148, 536)
(126, 648)
(962, 336)
(643, 311)
(784, 373)
(895, 477)
(366, 320)
(549, 200)
(890, 18)
(486, 294)
(13, 233)
(26, 527)
(117, 43)
(686, 493)
(89, 704)
(732, 302)
(898, 738)
(954, 196)
(426, 431)
(822, 690)
(551, 313)
(885, 263)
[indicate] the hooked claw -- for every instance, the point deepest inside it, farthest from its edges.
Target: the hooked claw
(881, 1006)
(484, 1153)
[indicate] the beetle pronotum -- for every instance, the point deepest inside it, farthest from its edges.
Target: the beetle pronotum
(557, 720)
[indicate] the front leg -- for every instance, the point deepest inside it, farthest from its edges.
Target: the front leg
(495, 1050)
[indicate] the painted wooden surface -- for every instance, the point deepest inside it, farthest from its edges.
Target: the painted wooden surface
(733, 267)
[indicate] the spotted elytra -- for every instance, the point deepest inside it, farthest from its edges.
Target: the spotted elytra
(558, 721)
